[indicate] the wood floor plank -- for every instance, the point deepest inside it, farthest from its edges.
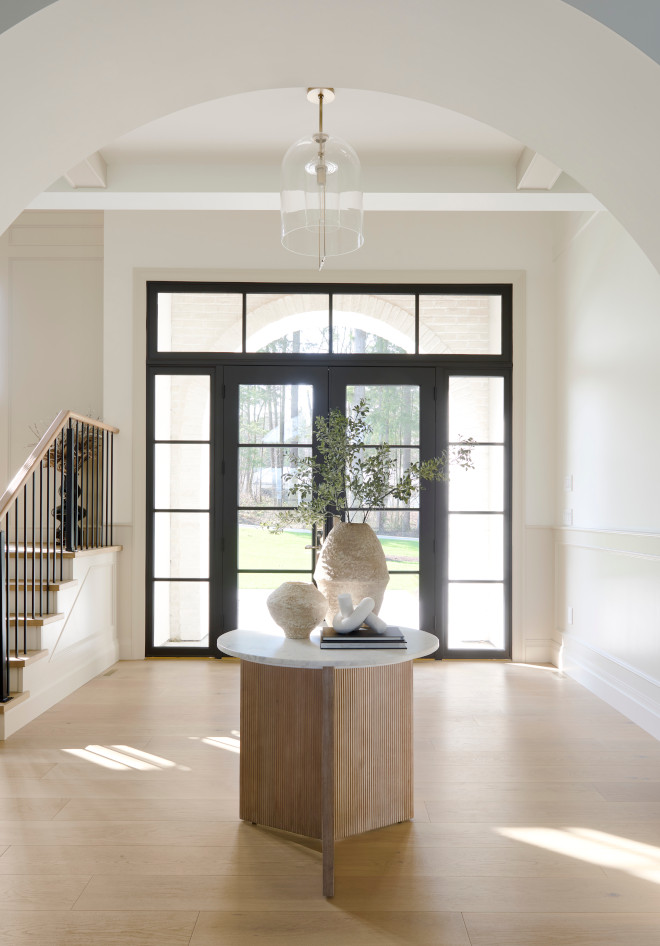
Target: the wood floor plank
(69, 928)
(397, 894)
(254, 860)
(154, 809)
(130, 787)
(627, 791)
(393, 860)
(193, 833)
(22, 892)
(14, 768)
(30, 809)
(335, 929)
(563, 929)
(505, 771)
(522, 811)
(204, 892)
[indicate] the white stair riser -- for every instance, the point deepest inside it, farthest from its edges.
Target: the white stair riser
(24, 569)
(35, 636)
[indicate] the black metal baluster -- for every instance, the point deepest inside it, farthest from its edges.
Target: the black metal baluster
(62, 492)
(106, 454)
(55, 510)
(34, 543)
(97, 451)
(7, 579)
(47, 524)
(112, 482)
(25, 558)
(4, 639)
(69, 503)
(41, 537)
(16, 559)
(94, 452)
(84, 486)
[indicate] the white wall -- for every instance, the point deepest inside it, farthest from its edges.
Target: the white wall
(412, 247)
(608, 562)
(51, 322)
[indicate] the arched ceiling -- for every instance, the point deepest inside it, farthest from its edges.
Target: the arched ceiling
(638, 21)
(542, 73)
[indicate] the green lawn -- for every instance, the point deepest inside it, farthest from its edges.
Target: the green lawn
(258, 548)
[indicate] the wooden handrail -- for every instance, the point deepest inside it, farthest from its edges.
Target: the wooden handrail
(40, 451)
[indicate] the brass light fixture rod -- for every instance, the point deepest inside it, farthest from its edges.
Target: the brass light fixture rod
(322, 95)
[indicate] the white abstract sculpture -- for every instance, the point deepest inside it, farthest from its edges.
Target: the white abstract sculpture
(349, 618)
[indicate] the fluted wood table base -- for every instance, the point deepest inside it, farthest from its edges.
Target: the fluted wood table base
(326, 753)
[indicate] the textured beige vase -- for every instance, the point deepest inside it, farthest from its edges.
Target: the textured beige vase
(297, 607)
(352, 562)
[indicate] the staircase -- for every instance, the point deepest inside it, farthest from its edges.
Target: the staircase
(57, 572)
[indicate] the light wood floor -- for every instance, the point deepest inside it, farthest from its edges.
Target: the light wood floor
(537, 822)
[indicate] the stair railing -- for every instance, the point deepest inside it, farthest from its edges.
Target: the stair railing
(59, 502)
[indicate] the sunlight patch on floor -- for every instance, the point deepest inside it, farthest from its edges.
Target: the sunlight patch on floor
(594, 847)
(125, 758)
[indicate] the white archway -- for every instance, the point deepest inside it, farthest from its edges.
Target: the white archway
(83, 72)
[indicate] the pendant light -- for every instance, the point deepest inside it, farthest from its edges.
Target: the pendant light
(321, 196)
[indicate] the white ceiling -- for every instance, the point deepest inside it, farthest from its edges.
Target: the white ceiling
(258, 127)
(226, 155)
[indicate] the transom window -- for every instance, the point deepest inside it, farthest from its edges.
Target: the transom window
(342, 323)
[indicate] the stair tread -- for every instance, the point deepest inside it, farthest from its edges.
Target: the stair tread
(52, 585)
(28, 550)
(37, 620)
(16, 698)
(24, 659)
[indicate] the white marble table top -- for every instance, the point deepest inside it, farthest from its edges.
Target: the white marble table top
(280, 651)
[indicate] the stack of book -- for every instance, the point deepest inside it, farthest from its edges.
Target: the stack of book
(364, 638)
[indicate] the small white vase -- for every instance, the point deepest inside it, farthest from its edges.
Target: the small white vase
(351, 561)
(297, 607)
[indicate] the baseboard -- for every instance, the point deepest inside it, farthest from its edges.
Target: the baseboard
(542, 651)
(626, 689)
(62, 686)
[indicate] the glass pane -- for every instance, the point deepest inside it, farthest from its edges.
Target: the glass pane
(258, 548)
(287, 323)
(481, 488)
(399, 535)
(476, 409)
(260, 475)
(476, 617)
(393, 410)
(181, 476)
(275, 413)
(403, 457)
(200, 321)
(373, 324)
(460, 325)
(183, 406)
(181, 613)
(181, 545)
(401, 601)
(476, 547)
(253, 589)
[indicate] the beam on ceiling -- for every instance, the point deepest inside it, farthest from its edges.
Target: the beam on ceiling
(92, 172)
(270, 201)
(534, 172)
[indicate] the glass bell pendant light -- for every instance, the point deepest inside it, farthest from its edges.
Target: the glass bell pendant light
(321, 197)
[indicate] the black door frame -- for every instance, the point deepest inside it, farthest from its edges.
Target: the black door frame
(216, 365)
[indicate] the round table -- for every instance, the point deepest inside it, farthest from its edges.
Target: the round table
(326, 735)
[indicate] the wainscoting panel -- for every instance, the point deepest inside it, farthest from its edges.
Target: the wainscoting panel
(608, 612)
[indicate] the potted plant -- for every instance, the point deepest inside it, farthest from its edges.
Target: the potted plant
(345, 482)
